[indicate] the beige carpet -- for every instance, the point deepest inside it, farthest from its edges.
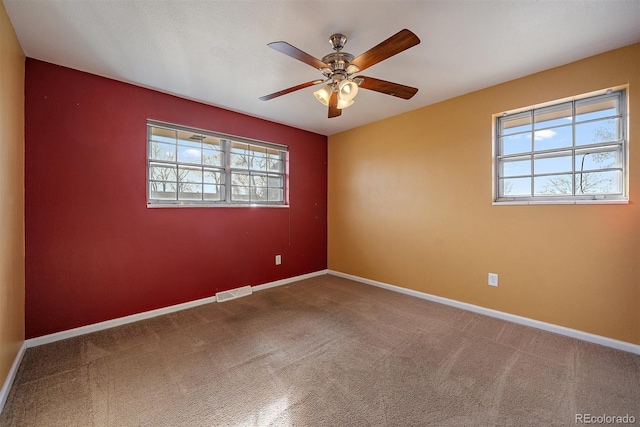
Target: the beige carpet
(321, 352)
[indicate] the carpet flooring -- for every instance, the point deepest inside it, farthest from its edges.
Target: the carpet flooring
(324, 351)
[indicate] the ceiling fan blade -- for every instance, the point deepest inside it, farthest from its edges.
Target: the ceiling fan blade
(395, 44)
(289, 90)
(296, 53)
(389, 88)
(334, 111)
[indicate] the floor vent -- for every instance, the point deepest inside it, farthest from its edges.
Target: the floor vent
(233, 293)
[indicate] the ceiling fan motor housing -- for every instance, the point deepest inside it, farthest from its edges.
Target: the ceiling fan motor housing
(338, 60)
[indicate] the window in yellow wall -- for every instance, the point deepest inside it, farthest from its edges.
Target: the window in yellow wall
(572, 151)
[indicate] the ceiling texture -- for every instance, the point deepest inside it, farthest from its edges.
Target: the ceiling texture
(215, 52)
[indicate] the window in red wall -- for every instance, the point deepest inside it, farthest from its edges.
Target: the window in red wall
(194, 167)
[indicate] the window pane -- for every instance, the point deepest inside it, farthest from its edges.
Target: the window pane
(548, 139)
(556, 115)
(212, 157)
(560, 162)
(258, 159)
(239, 155)
(239, 179)
(590, 109)
(515, 124)
(162, 172)
(213, 192)
(598, 131)
(258, 194)
(259, 180)
(186, 175)
(515, 187)
(275, 195)
(275, 160)
(189, 191)
(514, 168)
(598, 183)
(239, 193)
(275, 181)
(212, 177)
(162, 151)
(586, 160)
(163, 135)
(553, 185)
(520, 143)
(188, 154)
(275, 165)
(162, 190)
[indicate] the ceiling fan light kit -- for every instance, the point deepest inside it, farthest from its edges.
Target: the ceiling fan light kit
(338, 68)
(324, 94)
(347, 90)
(342, 103)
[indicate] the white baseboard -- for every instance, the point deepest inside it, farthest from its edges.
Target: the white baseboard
(573, 333)
(289, 280)
(70, 333)
(6, 388)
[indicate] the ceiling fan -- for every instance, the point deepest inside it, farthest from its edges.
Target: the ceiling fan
(339, 68)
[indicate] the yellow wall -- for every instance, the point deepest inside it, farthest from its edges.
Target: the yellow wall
(11, 195)
(410, 205)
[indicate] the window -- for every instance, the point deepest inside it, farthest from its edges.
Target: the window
(194, 167)
(572, 151)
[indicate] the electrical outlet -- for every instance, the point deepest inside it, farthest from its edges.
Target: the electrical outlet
(493, 279)
(278, 259)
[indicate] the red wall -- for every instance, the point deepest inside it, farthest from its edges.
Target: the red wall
(94, 251)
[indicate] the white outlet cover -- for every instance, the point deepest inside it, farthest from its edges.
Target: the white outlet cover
(278, 259)
(493, 279)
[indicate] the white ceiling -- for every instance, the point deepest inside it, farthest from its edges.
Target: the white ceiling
(216, 51)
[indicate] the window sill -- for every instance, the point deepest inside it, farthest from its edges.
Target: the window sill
(561, 202)
(204, 205)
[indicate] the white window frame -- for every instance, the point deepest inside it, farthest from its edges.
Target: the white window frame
(227, 172)
(575, 151)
